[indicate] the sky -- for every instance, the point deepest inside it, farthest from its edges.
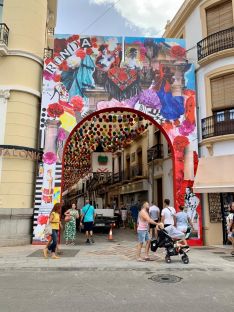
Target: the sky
(125, 18)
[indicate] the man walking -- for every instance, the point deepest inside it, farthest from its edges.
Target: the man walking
(143, 234)
(168, 214)
(87, 219)
(154, 213)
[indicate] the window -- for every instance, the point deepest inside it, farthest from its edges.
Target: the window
(1, 9)
(222, 95)
(219, 17)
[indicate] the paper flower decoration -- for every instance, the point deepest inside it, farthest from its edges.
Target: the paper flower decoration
(49, 158)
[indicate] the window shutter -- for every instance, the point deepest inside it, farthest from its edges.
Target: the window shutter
(219, 17)
(222, 94)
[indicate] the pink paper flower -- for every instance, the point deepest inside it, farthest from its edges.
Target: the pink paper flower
(61, 134)
(186, 128)
(49, 158)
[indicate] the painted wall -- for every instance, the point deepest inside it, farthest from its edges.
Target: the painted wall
(151, 76)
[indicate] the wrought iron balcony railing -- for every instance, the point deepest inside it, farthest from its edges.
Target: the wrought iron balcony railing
(219, 41)
(4, 34)
(136, 171)
(155, 152)
(220, 123)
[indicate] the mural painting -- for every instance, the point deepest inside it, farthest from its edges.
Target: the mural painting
(91, 75)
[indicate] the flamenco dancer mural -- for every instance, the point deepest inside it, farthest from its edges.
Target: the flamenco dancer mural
(86, 82)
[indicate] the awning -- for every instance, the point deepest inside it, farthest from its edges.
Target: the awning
(215, 175)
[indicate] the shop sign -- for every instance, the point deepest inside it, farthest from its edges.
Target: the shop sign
(20, 153)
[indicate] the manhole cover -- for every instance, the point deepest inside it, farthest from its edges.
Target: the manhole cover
(165, 278)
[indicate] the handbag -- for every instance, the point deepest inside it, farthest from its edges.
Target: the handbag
(67, 218)
(48, 229)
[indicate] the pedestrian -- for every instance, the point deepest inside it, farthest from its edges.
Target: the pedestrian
(168, 214)
(154, 213)
(143, 232)
(183, 221)
(230, 227)
(134, 213)
(87, 218)
(55, 223)
(70, 226)
(123, 213)
(169, 221)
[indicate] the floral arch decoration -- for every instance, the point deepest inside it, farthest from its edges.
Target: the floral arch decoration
(87, 75)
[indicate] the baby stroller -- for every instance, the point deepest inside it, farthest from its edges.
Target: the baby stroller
(172, 246)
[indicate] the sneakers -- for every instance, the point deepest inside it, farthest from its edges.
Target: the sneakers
(87, 241)
(92, 240)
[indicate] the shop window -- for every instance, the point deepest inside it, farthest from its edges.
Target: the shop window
(215, 210)
(219, 17)
(222, 92)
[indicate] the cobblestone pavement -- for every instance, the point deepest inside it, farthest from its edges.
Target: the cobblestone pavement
(110, 255)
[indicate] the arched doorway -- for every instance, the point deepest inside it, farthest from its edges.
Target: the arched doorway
(95, 75)
(113, 129)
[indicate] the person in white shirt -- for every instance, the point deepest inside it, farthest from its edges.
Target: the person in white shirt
(169, 221)
(168, 214)
(154, 213)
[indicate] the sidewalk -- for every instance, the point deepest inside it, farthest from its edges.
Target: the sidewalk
(112, 255)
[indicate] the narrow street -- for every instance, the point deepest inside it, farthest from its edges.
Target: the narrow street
(127, 290)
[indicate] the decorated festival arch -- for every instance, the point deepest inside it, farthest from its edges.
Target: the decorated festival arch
(92, 81)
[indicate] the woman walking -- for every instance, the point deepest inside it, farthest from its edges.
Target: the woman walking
(70, 226)
(55, 223)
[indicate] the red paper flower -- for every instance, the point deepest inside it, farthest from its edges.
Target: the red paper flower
(180, 142)
(63, 66)
(89, 51)
(167, 126)
(77, 102)
(42, 219)
(178, 52)
(55, 110)
(80, 53)
(57, 77)
(73, 38)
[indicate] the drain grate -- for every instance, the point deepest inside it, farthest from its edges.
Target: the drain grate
(165, 278)
(219, 252)
(228, 258)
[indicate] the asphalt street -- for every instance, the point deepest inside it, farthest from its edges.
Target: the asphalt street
(117, 290)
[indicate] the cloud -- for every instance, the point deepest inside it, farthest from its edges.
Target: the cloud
(150, 15)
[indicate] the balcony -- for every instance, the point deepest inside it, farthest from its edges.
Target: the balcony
(220, 123)
(214, 43)
(136, 171)
(155, 152)
(4, 34)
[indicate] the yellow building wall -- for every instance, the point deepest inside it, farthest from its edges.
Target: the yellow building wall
(22, 120)
(17, 185)
(26, 20)
(20, 71)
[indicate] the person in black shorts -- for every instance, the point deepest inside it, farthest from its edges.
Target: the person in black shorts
(154, 213)
(87, 218)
